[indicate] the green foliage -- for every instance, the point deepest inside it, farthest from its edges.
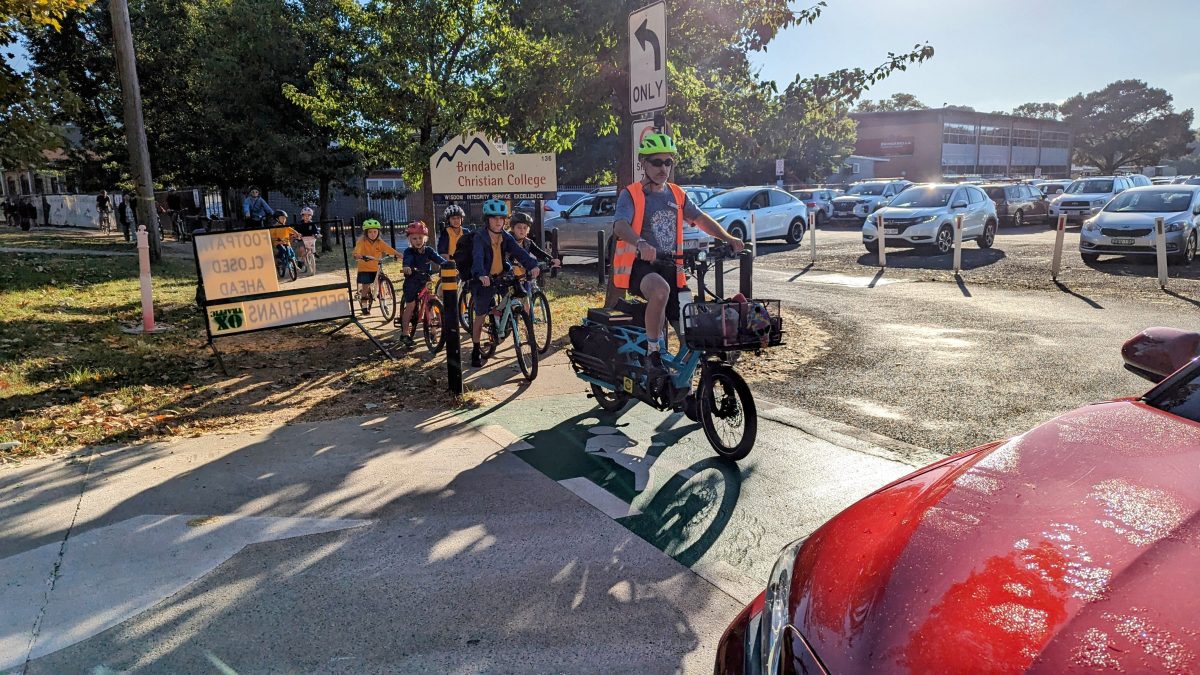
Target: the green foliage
(1041, 111)
(897, 101)
(1127, 122)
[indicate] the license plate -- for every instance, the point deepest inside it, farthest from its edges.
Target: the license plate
(841, 212)
(1123, 242)
(890, 230)
(691, 243)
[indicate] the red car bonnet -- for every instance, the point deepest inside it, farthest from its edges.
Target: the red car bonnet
(1074, 546)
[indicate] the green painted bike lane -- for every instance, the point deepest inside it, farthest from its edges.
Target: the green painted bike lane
(656, 474)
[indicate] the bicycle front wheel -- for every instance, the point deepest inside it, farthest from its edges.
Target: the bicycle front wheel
(387, 299)
(491, 337)
(524, 345)
(293, 270)
(727, 413)
(539, 309)
(466, 311)
(310, 262)
(435, 336)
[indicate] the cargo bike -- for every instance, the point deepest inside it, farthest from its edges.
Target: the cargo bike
(609, 352)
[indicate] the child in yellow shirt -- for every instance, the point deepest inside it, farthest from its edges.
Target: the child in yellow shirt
(368, 252)
(281, 236)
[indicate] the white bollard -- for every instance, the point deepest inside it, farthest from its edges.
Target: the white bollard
(1160, 246)
(812, 233)
(1058, 247)
(143, 246)
(957, 244)
(882, 239)
(753, 236)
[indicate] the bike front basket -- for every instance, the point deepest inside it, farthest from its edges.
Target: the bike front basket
(731, 325)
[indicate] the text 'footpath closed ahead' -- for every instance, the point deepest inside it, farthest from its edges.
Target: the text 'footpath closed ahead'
(287, 310)
(473, 168)
(236, 263)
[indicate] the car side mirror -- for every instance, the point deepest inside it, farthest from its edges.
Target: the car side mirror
(1155, 353)
(959, 205)
(566, 215)
(1196, 211)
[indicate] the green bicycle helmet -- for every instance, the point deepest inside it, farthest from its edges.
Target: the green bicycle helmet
(657, 144)
(371, 224)
(495, 207)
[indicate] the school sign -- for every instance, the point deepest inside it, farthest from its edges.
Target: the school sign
(472, 167)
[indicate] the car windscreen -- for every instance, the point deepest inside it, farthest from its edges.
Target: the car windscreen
(1151, 201)
(1182, 399)
(922, 198)
(867, 189)
(569, 198)
(803, 195)
(995, 193)
(734, 199)
(1081, 187)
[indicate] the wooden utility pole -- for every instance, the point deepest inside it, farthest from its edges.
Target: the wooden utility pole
(135, 128)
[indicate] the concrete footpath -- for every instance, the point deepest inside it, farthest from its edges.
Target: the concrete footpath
(404, 542)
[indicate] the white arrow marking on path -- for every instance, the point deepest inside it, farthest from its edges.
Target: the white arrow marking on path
(610, 443)
(114, 573)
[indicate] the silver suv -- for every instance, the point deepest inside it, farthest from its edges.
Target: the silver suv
(577, 226)
(1085, 197)
(862, 199)
(923, 216)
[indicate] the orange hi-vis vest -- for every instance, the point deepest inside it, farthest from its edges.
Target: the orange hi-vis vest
(626, 253)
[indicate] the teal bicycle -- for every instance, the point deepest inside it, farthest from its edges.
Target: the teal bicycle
(609, 352)
(509, 317)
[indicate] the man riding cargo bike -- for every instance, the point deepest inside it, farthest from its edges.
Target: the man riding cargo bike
(620, 351)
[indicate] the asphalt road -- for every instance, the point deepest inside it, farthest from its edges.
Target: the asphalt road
(946, 363)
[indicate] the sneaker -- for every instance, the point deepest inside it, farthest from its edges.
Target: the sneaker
(407, 341)
(654, 365)
(476, 357)
(365, 311)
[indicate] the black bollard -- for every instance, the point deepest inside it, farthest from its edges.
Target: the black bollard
(746, 272)
(720, 285)
(450, 325)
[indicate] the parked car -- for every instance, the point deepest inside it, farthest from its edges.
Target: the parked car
(551, 207)
(1179, 180)
(1139, 180)
(818, 201)
(777, 214)
(1084, 197)
(698, 193)
(1191, 181)
(1162, 180)
(1126, 225)
(1067, 549)
(578, 225)
(862, 199)
(924, 215)
(1018, 205)
(1053, 188)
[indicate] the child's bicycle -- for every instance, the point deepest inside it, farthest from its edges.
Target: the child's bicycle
(308, 254)
(286, 264)
(537, 302)
(384, 291)
(509, 317)
(429, 314)
(609, 352)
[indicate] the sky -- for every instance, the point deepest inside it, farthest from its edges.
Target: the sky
(997, 54)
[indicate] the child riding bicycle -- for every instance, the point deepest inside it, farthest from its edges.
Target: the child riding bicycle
(491, 248)
(309, 231)
(419, 261)
(282, 236)
(519, 226)
(368, 252)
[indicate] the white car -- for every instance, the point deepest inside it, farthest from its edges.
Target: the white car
(924, 215)
(819, 201)
(1126, 225)
(775, 214)
(864, 198)
(1085, 197)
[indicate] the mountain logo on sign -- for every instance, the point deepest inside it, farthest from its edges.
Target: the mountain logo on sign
(448, 156)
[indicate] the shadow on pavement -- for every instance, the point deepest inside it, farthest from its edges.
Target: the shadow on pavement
(972, 258)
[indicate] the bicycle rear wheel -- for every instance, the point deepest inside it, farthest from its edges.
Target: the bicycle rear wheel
(435, 335)
(727, 413)
(524, 345)
(387, 299)
(539, 309)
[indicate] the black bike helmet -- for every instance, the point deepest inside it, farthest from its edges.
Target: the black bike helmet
(280, 212)
(520, 217)
(454, 210)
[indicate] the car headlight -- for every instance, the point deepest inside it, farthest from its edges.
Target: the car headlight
(1175, 226)
(776, 612)
(1097, 202)
(927, 219)
(1090, 226)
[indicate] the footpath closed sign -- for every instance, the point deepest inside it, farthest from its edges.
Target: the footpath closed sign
(236, 263)
(474, 168)
(323, 304)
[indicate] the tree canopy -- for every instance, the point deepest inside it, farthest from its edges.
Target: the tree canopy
(1041, 111)
(1127, 122)
(897, 101)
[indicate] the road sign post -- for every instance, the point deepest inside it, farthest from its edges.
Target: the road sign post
(779, 172)
(648, 59)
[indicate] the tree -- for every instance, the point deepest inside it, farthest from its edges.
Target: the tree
(1040, 111)
(27, 103)
(1127, 122)
(898, 101)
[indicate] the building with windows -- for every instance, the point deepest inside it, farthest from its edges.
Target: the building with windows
(953, 143)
